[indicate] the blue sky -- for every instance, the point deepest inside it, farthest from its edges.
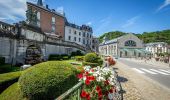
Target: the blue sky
(135, 16)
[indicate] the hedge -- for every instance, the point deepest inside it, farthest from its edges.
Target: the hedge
(13, 92)
(48, 80)
(58, 57)
(5, 68)
(8, 78)
(93, 60)
(79, 58)
(2, 60)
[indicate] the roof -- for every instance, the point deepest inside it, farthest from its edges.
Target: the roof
(155, 43)
(46, 9)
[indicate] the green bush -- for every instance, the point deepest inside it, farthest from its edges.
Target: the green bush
(77, 53)
(58, 57)
(13, 92)
(90, 64)
(93, 60)
(2, 60)
(91, 57)
(8, 78)
(5, 68)
(48, 80)
(79, 58)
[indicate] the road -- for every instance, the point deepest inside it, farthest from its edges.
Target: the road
(158, 74)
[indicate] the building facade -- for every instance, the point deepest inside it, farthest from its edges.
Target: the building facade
(127, 45)
(50, 21)
(79, 34)
(95, 44)
(156, 48)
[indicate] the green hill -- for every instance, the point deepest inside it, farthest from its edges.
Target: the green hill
(158, 36)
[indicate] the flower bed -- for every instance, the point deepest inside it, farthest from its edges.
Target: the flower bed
(99, 83)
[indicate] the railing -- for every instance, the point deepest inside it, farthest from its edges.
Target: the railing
(72, 94)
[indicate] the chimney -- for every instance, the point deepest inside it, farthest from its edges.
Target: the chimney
(40, 3)
(46, 6)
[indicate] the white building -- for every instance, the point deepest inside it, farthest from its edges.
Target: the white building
(127, 45)
(156, 48)
(79, 34)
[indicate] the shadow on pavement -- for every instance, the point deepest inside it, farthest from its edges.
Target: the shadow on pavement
(122, 79)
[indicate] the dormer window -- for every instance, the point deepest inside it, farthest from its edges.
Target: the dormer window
(130, 43)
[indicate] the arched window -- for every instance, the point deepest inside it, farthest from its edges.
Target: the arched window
(130, 43)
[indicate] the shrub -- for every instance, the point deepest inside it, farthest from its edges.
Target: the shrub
(79, 58)
(91, 57)
(93, 60)
(5, 68)
(2, 60)
(12, 93)
(58, 57)
(8, 78)
(90, 64)
(77, 53)
(48, 80)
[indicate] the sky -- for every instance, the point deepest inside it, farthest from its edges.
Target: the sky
(133, 16)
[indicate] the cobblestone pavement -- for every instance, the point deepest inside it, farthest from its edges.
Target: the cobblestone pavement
(138, 87)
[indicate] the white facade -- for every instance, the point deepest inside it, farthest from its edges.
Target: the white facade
(79, 34)
(125, 46)
(157, 47)
(73, 35)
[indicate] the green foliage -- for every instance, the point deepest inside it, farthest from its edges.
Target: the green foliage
(111, 35)
(12, 93)
(8, 78)
(5, 68)
(48, 80)
(58, 57)
(77, 53)
(147, 37)
(79, 58)
(92, 59)
(2, 60)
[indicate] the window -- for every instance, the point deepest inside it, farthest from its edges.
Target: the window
(74, 38)
(130, 43)
(80, 33)
(69, 37)
(79, 39)
(87, 34)
(38, 19)
(53, 28)
(75, 32)
(53, 20)
(83, 41)
(70, 31)
(84, 34)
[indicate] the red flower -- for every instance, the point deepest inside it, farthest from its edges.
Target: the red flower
(88, 96)
(80, 76)
(87, 73)
(100, 94)
(87, 82)
(98, 88)
(99, 98)
(106, 93)
(83, 94)
(111, 90)
(92, 78)
(106, 82)
(92, 70)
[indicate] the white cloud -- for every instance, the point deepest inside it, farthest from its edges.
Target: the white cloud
(166, 3)
(89, 23)
(130, 22)
(103, 24)
(13, 10)
(60, 10)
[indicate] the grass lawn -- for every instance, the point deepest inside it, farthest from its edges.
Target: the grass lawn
(12, 93)
(8, 68)
(77, 63)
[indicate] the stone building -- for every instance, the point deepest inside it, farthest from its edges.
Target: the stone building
(127, 45)
(95, 44)
(24, 43)
(156, 48)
